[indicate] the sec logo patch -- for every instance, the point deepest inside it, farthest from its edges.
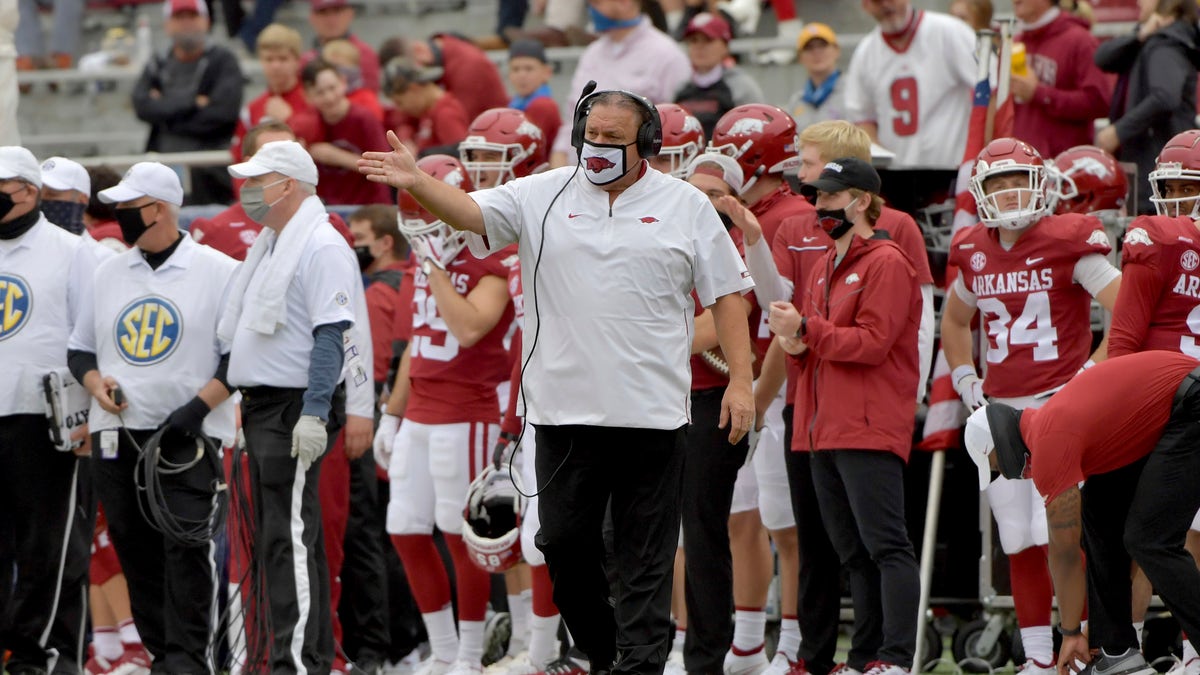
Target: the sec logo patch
(978, 261)
(16, 303)
(148, 330)
(1189, 261)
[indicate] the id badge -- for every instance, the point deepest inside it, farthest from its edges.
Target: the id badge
(108, 444)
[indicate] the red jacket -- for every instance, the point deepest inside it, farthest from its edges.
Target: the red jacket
(1072, 91)
(858, 378)
(469, 74)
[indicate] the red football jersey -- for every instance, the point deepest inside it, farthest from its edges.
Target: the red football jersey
(382, 298)
(231, 231)
(705, 376)
(1038, 320)
(452, 383)
(1159, 303)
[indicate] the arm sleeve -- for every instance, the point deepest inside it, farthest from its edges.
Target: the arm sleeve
(925, 338)
(1170, 69)
(1141, 287)
(769, 286)
(1118, 54)
(81, 303)
(859, 106)
(224, 96)
(163, 108)
(883, 309)
(960, 289)
(501, 208)
(1087, 97)
(324, 368)
(222, 374)
(81, 363)
(1094, 273)
(718, 270)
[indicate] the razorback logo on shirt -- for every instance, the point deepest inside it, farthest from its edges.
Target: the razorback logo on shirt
(147, 330)
(1098, 238)
(1138, 235)
(649, 219)
(1020, 281)
(15, 304)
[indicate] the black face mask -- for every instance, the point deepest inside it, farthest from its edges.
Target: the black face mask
(6, 203)
(364, 257)
(132, 225)
(834, 222)
(19, 225)
(65, 214)
(726, 220)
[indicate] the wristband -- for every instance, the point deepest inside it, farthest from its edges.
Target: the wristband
(802, 331)
(1065, 632)
(507, 436)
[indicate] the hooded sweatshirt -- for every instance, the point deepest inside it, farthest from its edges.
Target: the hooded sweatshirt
(1158, 78)
(1072, 92)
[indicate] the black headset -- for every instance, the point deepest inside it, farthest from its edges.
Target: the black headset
(649, 135)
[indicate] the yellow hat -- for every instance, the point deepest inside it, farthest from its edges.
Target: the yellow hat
(813, 31)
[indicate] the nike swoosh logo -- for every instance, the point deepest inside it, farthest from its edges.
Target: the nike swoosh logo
(458, 262)
(1033, 261)
(808, 239)
(574, 215)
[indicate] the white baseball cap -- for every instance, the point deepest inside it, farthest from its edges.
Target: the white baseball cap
(730, 170)
(146, 179)
(17, 162)
(288, 158)
(980, 444)
(60, 173)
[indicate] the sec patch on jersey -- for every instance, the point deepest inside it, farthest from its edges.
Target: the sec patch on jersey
(16, 303)
(148, 330)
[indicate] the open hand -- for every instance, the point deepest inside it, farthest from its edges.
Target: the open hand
(397, 168)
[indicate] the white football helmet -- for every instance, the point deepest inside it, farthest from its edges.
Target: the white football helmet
(492, 519)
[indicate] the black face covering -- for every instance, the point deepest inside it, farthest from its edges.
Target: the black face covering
(834, 222)
(19, 225)
(726, 220)
(364, 257)
(66, 214)
(132, 225)
(6, 203)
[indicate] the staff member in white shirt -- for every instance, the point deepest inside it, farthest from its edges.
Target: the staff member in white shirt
(45, 282)
(290, 304)
(153, 334)
(610, 251)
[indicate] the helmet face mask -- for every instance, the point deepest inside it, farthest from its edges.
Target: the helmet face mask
(415, 221)
(1020, 200)
(502, 145)
(683, 139)
(490, 164)
(492, 520)
(762, 138)
(1175, 180)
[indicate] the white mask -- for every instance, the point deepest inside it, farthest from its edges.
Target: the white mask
(603, 163)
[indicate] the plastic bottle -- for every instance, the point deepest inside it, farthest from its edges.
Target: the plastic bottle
(1019, 67)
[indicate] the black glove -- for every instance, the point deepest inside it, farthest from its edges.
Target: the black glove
(189, 417)
(502, 446)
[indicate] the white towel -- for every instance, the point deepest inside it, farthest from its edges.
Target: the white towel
(268, 308)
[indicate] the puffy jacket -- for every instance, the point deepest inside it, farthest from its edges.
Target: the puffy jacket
(858, 377)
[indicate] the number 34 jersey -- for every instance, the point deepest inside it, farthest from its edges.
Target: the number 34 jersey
(1159, 303)
(1034, 299)
(452, 383)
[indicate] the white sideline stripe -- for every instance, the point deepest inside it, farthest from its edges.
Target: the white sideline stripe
(213, 608)
(62, 557)
(299, 568)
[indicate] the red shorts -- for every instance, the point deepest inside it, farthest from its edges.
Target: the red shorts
(105, 565)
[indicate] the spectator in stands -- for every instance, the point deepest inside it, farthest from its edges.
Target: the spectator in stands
(190, 97)
(232, 231)
(344, 55)
(717, 85)
(1061, 91)
(529, 75)
(98, 217)
(331, 20)
(66, 189)
(9, 16)
(435, 119)
(278, 49)
(64, 37)
(1155, 97)
(975, 13)
(824, 95)
(564, 23)
(913, 51)
(344, 131)
(466, 71)
(630, 54)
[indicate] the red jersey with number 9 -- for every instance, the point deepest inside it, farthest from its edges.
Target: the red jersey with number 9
(1164, 254)
(452, 383)
(1036, 317)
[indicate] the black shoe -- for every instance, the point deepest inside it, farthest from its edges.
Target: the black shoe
(367, 665)
(1129, 662)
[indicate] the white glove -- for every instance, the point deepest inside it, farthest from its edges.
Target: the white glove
(308, 440)
(385, 435)
(969, 387)
(752, 437)
(425, 248)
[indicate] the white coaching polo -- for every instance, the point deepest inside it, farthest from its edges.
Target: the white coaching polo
(154, 331)
(45, 284)
(612, 296)
(321, 292)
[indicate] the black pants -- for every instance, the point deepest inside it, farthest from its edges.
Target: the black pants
(820, 589)
(37, 507)
(861, 493)
(364, 572)
(70, 620)
(172, 587)
(287, 538)
(579, 468)
(710, 469)
(1143, 512)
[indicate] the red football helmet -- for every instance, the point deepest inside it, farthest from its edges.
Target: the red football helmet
(416, 221)
(761, 137)
(1178, 160)
(1002, 157)
(519, 142)
(492, 520)
(683, 137)
(1086, 179)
